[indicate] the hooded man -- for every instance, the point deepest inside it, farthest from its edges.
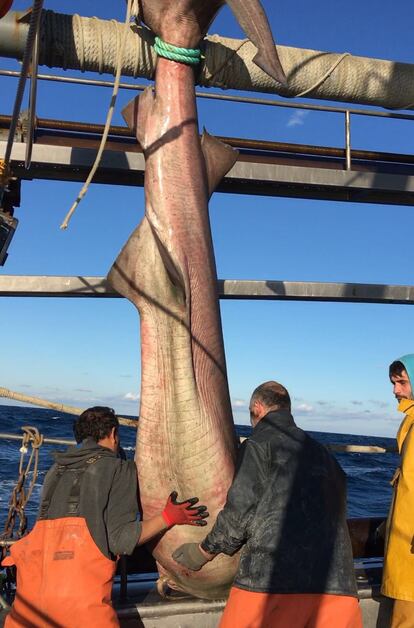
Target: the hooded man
(286, 512)
(398, 576)
(88, 517)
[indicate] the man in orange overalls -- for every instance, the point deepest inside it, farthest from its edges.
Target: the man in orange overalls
(286, 512)
(88, 516)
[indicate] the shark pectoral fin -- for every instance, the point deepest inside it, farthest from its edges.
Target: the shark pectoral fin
(123, 273)
(252, 18)
(218, 157)
(130, 114)
(144, 271)
(136, 111)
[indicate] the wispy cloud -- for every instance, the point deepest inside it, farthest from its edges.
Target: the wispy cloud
(303, 408)
(239, 404)
(357, 403)
(297, 118)
(130, 396)
(379, 404)
(85, 390)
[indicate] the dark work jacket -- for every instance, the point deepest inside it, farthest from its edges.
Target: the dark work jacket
(287, 508)
(108, 498)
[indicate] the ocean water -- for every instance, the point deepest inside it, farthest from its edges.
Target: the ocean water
(369, 475)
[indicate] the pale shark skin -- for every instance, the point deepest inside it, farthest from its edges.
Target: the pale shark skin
(186, 439)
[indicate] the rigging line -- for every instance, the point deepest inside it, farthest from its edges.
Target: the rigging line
(121, 47)
(323, 78)
(43, 403)
(32, 102)
(33, 30)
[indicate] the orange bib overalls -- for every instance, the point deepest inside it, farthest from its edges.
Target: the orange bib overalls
(63, 579)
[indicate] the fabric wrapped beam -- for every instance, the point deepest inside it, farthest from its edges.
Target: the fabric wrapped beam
(90, 44)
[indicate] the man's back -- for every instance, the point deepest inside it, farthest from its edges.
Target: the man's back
(285, 512)
(287, 507)
(106, 497)
(65, 565)
(298, 539)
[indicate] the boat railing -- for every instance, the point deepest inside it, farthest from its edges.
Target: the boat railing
(346, 112)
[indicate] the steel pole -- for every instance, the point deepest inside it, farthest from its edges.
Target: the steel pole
(14, 29)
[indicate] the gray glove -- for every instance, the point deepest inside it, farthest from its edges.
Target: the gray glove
(380, 531)
(190, 556)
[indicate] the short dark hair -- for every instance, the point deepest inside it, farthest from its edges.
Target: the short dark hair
(96, 423)
(272, 394)
(396, 368)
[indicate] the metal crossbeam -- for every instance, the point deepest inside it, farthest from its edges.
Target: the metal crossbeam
(276, 175)
(54, 286)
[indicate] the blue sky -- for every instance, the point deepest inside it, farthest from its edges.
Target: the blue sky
(333, 358)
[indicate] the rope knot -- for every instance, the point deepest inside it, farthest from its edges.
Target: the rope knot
(31, 434)
(189, 56)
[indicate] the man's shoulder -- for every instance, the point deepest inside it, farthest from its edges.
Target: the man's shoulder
(112, 469)
(125, 469)
(407, 451)
(277, 426)
(123, 466)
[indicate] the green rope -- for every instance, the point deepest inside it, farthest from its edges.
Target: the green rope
(191, 56)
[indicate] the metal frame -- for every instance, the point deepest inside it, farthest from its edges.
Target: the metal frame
(280, 174)
(346, 111)
(66, 150)
(98, 287)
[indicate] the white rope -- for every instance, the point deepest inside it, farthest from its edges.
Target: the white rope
(324, 77)
(210, 76)
(98, 39)
(66, 42)
(79, 38)
(121, 39)
(135, 10)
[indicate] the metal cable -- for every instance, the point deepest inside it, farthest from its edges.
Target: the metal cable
(33, 29)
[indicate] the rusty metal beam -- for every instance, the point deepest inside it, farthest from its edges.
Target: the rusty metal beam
(72, 131)
(65, 150)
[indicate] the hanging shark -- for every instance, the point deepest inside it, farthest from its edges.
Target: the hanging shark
(186, 439)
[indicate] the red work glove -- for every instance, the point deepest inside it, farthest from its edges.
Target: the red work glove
(179, 513)
(5, 5)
